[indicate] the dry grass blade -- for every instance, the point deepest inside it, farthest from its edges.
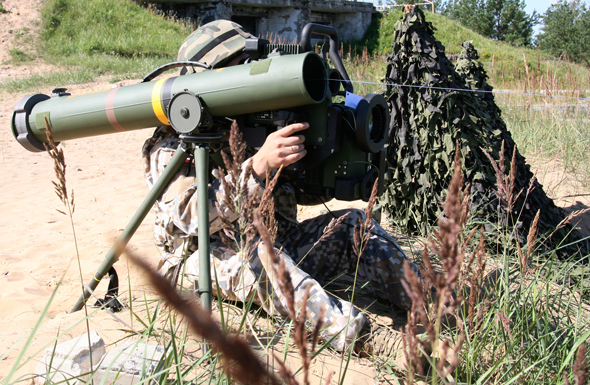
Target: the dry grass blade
(417, 315)
(476, 280)
(238, 235)
(505, 323)
(286, 286)
(571, 216)
(502, 191)
(301, 337)
(331, 228)
(506, 184)
(278, 267)
(581, 366)
(512, 181)
(362, 232)
(447, 244)
(59, 167)
(267, 203)
(413, 288)
(531, 239)
(238, 360)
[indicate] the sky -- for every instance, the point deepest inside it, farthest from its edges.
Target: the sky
(541, 6)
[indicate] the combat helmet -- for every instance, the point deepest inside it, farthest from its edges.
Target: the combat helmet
(215, 43)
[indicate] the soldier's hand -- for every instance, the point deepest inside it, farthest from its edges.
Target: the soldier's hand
(281, 148)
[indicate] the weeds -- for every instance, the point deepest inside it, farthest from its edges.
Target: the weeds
(580, 369)
(19, 56)
(526, 330)
(67, 199)
(449, 246)
(238, 359)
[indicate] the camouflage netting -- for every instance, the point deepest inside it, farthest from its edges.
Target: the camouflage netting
(431, 114)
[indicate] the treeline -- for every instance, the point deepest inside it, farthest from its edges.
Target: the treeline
(564, 27)
(501, 20)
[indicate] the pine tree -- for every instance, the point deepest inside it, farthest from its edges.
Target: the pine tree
(471, 14)
(502, 20)
(517, 25)
(566, 29)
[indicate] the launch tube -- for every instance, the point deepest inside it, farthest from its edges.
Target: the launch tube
(278, 82)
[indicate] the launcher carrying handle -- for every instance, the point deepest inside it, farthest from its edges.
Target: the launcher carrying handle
(331, 32)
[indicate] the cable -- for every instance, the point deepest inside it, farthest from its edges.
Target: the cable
(469, 90)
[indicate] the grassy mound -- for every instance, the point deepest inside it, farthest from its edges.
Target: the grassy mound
(115, 28)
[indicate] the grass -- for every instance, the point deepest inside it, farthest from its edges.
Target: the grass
(119, 29)
(530, 328)
(112, 38)
(19, 56)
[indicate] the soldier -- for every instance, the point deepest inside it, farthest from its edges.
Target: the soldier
(220, 44)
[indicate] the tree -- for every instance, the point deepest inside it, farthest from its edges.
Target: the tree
(566, 29)
(471, 14)
(518, 25)
(502, 20)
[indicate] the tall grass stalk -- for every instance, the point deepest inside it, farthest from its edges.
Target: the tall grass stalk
(67, 199)
(362, 234)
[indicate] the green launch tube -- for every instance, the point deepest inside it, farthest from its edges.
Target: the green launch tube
(278, 82)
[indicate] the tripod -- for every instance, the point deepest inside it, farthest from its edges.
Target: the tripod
(198, 145)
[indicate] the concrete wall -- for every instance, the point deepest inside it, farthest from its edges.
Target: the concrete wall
(285, 18)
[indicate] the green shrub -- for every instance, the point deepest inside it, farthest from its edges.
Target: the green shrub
(19, 56)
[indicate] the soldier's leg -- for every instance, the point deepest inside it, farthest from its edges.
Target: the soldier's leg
(239, 278)
(381, 263)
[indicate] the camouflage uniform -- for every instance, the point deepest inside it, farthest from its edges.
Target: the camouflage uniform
(241, 278)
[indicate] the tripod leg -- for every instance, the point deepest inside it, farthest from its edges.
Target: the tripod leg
(202, 170)
(113, 255)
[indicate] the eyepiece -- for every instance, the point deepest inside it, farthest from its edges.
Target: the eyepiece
(372, 123)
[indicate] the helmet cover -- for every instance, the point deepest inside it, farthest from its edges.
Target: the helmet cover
(215, 43)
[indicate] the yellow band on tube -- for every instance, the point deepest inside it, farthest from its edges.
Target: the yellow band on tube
(156, 102)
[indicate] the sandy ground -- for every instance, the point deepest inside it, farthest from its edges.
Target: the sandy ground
(37, 248)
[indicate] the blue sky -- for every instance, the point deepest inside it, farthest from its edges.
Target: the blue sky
(541, 6)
